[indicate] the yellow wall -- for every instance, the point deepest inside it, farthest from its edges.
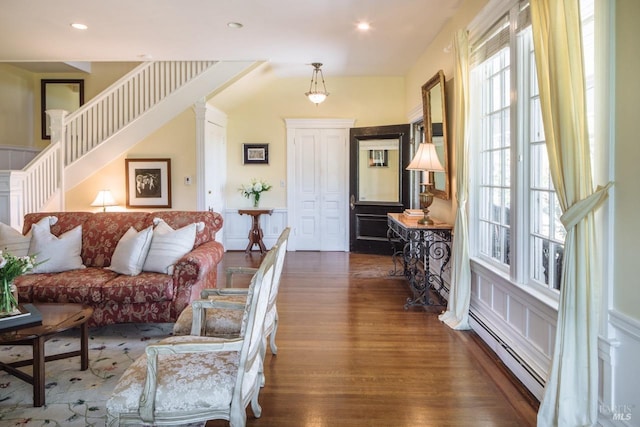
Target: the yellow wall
(17, 106)
(627, 158)
(175, 140)
(440, 56)
(256, 108)
(257, 113)
(257, 118)
(102, 75)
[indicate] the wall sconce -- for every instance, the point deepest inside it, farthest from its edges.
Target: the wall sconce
(104, 199)
(317, 96)
(426, 159)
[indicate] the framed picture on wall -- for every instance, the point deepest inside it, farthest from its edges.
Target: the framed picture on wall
(148, 183)
(255, 154)
(378, 158)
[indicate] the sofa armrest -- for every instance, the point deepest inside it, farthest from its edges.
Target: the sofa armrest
(194, 272)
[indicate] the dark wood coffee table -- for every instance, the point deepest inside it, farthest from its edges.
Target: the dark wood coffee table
(56, 318)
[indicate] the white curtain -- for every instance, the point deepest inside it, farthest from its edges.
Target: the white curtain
(571, 392)
(457, 314)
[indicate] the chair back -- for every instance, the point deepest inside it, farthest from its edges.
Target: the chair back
(281, 249)
(248, 380)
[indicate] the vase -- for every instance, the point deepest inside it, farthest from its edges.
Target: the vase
(256, 200)
(8, 297)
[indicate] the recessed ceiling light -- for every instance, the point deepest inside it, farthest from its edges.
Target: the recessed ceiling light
(364, 26)
(79, 26)
(234, 25)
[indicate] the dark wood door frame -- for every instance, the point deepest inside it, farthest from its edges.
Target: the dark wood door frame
(368, 220)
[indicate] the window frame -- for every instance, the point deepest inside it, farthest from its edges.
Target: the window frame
(520, 271)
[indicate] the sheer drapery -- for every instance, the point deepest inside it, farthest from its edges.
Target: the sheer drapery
(457, 314)
(571, 392)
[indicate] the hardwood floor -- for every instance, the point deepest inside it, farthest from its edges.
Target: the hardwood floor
(350, 355)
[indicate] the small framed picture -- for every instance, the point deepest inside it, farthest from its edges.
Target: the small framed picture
(378, 158)
(148, 183)
(255, 154)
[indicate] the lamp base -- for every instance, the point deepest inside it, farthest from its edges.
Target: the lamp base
(426, 198)
(426, 220)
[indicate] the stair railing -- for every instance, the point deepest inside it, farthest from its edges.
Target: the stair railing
(73, 135)
(124, 101)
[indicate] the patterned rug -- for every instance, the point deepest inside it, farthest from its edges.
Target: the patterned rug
(74, 397)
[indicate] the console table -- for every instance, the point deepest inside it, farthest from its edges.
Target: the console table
(420, 244)
(255, 234)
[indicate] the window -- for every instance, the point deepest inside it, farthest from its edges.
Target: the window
(515, 212)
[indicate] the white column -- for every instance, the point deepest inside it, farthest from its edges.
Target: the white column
(58, 137)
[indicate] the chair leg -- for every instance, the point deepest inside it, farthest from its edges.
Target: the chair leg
(255, 406)
(263, 352)
(272, 338)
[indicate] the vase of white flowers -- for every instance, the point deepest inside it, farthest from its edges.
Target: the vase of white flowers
(11, 267)
(254, 190)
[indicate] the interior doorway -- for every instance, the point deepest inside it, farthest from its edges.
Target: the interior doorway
(318, 177)
(379, 183)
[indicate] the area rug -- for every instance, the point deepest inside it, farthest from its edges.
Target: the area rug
(74, 397)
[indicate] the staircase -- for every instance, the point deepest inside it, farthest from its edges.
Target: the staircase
(106, 127)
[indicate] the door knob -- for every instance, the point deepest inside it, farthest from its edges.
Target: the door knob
(352, 202)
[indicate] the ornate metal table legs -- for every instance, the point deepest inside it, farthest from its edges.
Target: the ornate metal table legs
(422, 246)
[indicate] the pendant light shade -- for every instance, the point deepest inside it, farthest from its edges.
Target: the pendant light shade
(316, 95)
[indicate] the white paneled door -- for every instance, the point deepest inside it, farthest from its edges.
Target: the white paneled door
(318, 186)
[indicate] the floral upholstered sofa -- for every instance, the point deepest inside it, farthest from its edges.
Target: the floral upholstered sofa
(155, 294)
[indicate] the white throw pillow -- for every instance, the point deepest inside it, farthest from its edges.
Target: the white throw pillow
(56, 254)
(12, 241)
(131, 251)
(169, 245)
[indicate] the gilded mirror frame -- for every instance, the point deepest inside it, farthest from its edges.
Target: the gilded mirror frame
(428, 114)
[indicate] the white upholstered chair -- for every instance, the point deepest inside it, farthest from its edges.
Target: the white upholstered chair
(224, 322)
(191, 379)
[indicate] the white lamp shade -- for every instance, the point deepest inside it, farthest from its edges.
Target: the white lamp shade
(426, 159)
(104, 198)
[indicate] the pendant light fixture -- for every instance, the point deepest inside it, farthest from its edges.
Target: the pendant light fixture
(315, 95)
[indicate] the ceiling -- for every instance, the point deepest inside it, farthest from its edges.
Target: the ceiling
(290, 34)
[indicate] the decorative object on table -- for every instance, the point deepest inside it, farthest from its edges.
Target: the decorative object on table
(414, 213)
(27, 316)
(315, 95)
(255, 154)
(148, 183)
(426, 159)
(104, 199)
(11, 267)
(254, 190)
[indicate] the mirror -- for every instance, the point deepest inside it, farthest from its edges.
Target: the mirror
(378, 177)
(59, 94)
(435, 130)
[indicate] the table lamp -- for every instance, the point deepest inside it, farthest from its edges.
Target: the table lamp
(104, 199)
(426, 159)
